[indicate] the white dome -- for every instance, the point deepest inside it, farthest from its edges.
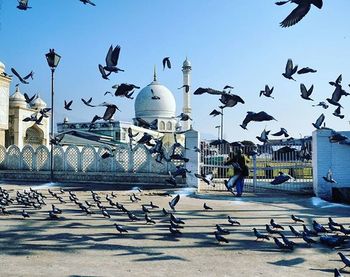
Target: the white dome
(18, 99)
(2, 67)
(186, 63)
(146, 107)
(39, 103)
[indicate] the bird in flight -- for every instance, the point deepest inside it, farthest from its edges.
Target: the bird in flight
(166, 63)
(88, 2)
(23, 80)
(112, 58)
(299, 12)
(23, 5)
(290, 70)
(67, 105)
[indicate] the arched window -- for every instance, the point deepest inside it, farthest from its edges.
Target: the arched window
(169, 126)
(34, 136)
(161, 125)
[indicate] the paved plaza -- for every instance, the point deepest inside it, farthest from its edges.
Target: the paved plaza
(81, 245)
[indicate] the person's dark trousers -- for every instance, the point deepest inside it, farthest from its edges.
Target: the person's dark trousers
(239, 185)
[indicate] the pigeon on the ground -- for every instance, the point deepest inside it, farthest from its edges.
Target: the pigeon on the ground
(296, 219)
(220, 238)
(260, 235)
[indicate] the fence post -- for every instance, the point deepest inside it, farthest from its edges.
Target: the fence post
(254, 173)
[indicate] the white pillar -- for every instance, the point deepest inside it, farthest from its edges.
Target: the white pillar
(186, 70)
(192, 139)
(325, 156)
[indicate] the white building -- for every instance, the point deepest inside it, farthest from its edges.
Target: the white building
(148, 107)
(13, 109)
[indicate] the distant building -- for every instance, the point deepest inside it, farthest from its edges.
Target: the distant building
(13, 109)
(154, 102)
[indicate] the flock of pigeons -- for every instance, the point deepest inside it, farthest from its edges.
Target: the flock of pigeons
(293, 18)
(23, 203)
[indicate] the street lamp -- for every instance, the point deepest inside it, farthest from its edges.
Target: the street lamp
(53, 60)
(218, 127)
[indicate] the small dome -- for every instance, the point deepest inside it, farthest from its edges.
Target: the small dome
(39, 103)
(148, 108)
(18, 99)
(2, 67)
(65, 120)
(186, 63)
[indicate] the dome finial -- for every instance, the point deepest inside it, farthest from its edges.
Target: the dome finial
(155, 74)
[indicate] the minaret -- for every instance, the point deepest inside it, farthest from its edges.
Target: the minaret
(186, 70)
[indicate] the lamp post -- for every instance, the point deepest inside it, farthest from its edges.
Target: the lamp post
(222, 124)
(53, 60)
(218, 127)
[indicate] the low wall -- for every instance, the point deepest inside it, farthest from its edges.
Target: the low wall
(132, 179)
(330, 156)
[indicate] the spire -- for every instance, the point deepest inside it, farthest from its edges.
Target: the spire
(155, 74)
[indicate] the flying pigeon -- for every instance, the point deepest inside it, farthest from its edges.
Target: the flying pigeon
(322, 104)
(258, 117)
(319, 121)
(337, 113)
(174, 201)
(67, 105)
(24, 79)
(23, 5)
(186, 87)
(230, 100)
(282, 132)
(305, 93)
(88, 2)
(29, 99)
(103, 72)
(215, 113)
(87, 102)
(299, 12)
(306, 70)
(264, 136)
(166, 63)
(267, 91)
(290, 70)
(112, 58)
(207, 178)
(201, 90)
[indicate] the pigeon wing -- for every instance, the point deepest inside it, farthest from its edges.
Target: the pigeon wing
(115, 55)
(296, 15)
(109, 112)
(174, 201)
(109, 60)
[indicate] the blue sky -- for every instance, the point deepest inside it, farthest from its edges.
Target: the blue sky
(234, 42)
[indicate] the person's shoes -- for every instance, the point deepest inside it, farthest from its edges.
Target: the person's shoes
(238, 195)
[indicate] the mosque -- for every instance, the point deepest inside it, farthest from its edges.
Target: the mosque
(163, 110)
(13, 109)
